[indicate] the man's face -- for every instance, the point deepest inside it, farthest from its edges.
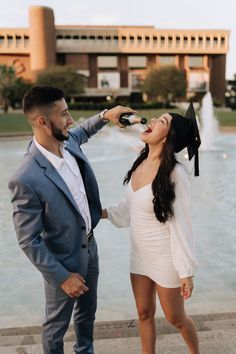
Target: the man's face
(60, 120)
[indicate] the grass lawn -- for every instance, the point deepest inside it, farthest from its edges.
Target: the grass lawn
(15, 123)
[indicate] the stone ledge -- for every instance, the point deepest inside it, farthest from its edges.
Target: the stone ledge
(126, 329)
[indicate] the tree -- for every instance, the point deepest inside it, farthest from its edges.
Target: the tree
(12, 88)
(167, 82)
(7, 82)
(64, 77)
(17, 91)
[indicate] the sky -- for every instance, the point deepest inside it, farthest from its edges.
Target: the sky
(171, 14)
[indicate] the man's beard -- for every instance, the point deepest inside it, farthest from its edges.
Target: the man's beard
(57, 133)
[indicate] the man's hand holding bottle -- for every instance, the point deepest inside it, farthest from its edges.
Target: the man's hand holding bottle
(122, 116)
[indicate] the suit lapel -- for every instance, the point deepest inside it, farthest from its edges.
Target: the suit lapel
(51, 173)
(75, 151)
(54, 176)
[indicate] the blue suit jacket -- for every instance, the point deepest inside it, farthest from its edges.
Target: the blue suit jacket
(48, 223)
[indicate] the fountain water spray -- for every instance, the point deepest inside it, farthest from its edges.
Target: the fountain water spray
(209, 124)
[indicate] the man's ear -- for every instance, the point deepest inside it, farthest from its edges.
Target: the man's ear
(42, 122)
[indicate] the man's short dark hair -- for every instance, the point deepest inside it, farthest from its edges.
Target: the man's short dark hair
(41, 96)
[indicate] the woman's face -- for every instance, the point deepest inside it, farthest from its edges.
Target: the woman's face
(157, 131)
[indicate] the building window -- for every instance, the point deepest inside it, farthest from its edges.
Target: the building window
(26, 41)
(67, 36)
(76, 37)
(215, 41)
(137, 61)
(18, 41)
(140, 41)
(116, 38)
(107, 41)
(107, 61)
(177, 41)
(193, 41)
(222, 41)
(200, 41)
(9, 41)
(154, 41)
(147, 41)
(162, 41)
(1, 40)
(185, 41)
(131, 40)
(208, 41)
(123, 40)
(170, 42)
(91, 40)
(60, 40)
(100, 39)
(195, 61)
(108, 80)
(61, 58)
(166, 60)
(198, 81)
(136, 81)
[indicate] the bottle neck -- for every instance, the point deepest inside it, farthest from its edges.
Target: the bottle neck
(137, 120)
(134, 119)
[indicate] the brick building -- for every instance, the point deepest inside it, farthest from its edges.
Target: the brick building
(116, 58)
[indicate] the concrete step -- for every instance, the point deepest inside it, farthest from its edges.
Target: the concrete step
(217, 335)
(211, 342)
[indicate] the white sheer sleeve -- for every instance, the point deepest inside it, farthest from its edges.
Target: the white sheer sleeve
(182, 242)
(118, 214)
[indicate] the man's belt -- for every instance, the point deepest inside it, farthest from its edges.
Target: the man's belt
(90, 235)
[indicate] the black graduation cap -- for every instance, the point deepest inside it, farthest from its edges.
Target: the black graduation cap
(187, 135)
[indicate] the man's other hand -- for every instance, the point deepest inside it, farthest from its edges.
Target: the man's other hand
(74, 285)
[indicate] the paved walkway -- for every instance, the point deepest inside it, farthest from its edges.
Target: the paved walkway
(217, 335)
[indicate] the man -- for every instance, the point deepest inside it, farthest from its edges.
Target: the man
(56, 206)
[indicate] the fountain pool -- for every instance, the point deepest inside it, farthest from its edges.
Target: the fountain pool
(111, 153)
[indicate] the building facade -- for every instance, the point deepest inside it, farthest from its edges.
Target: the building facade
(115, 59)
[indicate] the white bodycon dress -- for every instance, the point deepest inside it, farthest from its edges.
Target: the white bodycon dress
(162, 252)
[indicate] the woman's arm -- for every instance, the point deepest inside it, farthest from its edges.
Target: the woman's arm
(182, 242)
(118, 214)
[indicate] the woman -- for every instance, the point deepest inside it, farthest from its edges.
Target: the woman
(156, 208)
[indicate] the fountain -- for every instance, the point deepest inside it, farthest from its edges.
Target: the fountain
(209, 124)
(111, 153)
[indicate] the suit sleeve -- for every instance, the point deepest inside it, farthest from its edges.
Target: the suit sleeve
(28, 222)
(181, 230)
(82, 132)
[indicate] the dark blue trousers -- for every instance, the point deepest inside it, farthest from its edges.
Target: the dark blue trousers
(59, 308)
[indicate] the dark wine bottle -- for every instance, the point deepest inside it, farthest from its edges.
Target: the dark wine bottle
(127, 119)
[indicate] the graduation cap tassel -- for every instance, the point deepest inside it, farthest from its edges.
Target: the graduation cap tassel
(196, 164)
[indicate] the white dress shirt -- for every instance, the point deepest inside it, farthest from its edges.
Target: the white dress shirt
(69, 170)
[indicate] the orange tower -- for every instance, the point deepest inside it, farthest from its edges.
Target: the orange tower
(42, 38)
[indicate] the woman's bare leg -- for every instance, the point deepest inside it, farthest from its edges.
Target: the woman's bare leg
(144, 290)
(172, 304)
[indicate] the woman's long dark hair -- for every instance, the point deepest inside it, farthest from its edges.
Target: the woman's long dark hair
(163, 187)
